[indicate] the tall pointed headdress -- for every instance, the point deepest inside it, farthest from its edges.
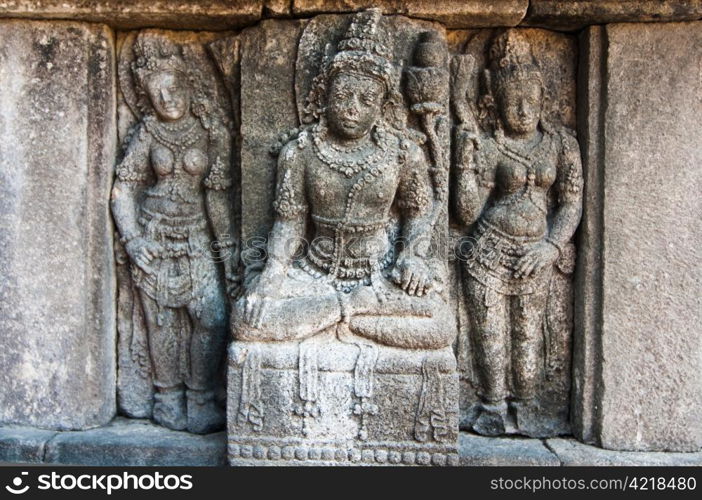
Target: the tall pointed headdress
(511, 58)
(365, 49)
(153, 54)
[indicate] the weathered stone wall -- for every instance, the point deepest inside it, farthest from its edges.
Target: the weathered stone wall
(638, 302)
(57, 307)
(636, 343)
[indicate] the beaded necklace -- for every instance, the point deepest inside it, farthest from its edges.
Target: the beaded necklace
(347, 160)
(178, 139)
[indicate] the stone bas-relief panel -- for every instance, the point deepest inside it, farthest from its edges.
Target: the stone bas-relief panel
(355, 311)
(173, 204)
(343, 337)
(516, 202)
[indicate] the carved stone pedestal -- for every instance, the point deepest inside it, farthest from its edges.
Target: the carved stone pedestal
(334, 402)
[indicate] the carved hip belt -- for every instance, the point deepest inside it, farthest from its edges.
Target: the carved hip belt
(349, 226)
(492, 257)
(161, 228)
(347, 272)
(183, 269)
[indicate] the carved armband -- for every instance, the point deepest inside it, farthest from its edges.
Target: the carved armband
(571, 182)
(287, 204)
(132, 168)
(218, 178)
(415, 196)
(127, 172)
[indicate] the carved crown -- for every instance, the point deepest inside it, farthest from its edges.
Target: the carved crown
(365, 49)
(154, 54)
(511, 58)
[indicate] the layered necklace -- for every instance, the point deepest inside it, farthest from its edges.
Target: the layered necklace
(527, 156)
(179, 136)
(348, 161)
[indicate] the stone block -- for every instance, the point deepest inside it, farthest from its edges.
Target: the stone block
(576, 14)
(127, 443)
(638, 350)
(463, 14)
(23, 444)
(57, 311)
(484, 451)
(325, 402)
(270, 80)
(573, 453)
(129, 14)
(277, 8)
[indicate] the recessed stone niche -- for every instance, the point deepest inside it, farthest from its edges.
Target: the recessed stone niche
(350, 232)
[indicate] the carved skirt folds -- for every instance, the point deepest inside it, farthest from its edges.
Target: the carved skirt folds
(492, 258)
(185, 268)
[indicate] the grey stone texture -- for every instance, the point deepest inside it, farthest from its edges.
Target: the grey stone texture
(638, 345)
(451, 13)
(57, 311)
(23, 444)
(479, 451)
(127, 442)
(271, 425)
(576, 14)
(230, 14)
(130, 14)
(272, 82)
(573, 453)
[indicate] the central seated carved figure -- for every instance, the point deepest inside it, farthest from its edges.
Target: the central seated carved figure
(349, 267)
(346, 174)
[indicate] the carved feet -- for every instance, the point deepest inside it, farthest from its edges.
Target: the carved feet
(198, 413)
(169, 408)
(204, 414)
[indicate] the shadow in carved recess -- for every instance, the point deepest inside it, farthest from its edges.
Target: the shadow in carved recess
(517, 199)
(343, 336)
(172, 203)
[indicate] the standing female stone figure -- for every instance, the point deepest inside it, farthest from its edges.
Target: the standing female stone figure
(170, 195)
(519, 188)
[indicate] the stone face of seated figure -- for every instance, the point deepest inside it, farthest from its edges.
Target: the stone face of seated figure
(350, 186)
